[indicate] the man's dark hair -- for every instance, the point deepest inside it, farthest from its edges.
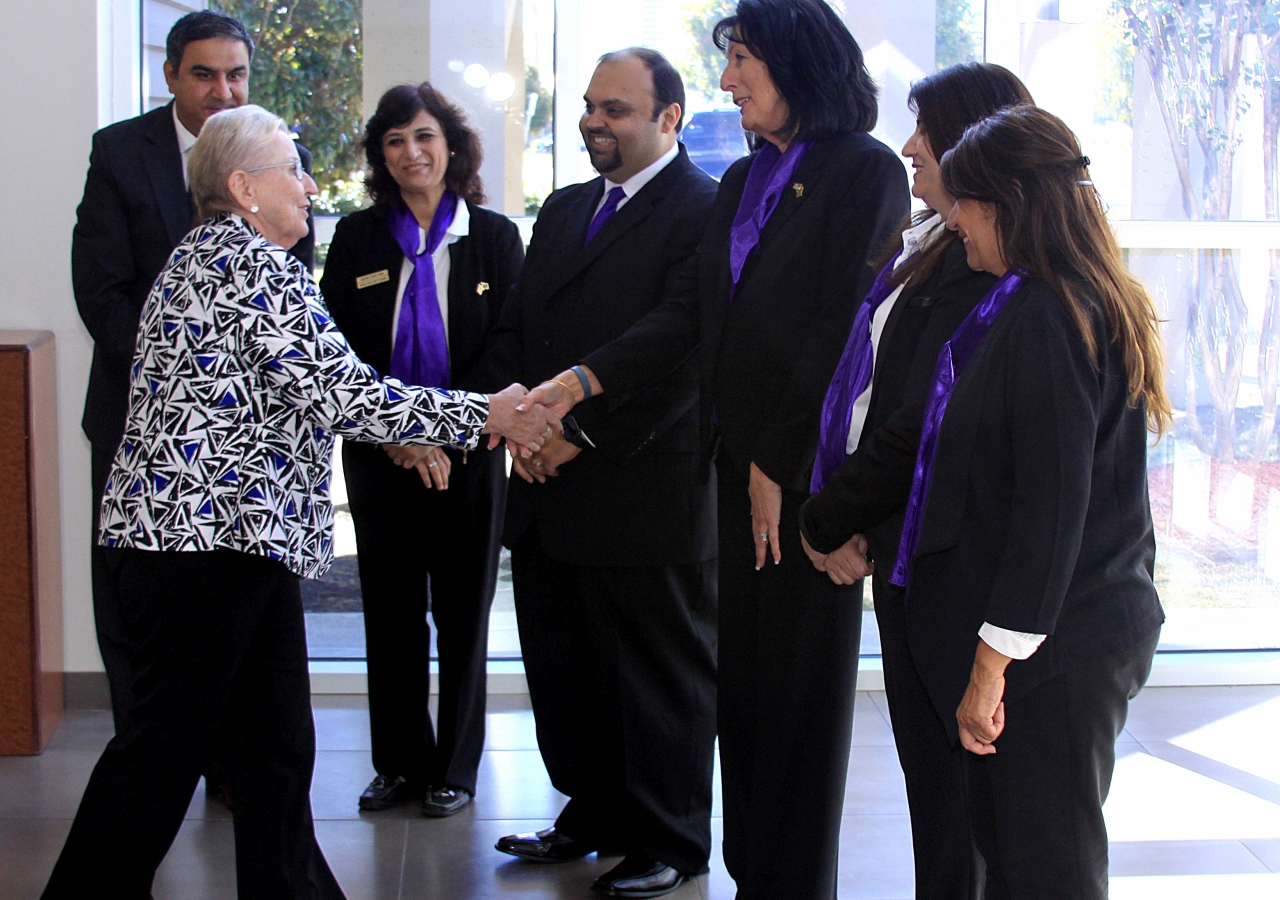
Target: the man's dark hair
(814, 61)
(398, 107)
(668, 86)
(202, 25)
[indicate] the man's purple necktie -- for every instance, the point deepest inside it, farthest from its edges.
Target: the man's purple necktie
(610, 206)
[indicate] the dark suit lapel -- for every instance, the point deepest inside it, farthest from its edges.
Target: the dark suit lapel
(163, 161)
(565, 247)
(807, 176)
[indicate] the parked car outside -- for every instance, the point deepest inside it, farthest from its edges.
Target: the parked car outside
(715, 140)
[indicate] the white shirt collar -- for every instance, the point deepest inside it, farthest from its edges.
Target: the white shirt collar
(186, 140)
(916, 238)
(460, 227)
(632, 185)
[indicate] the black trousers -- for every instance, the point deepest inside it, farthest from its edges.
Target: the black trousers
(215, 637)
(409, 537)
(945, 856)
(1036, 804)
(621, 670)
(112, 640)
(788, 671)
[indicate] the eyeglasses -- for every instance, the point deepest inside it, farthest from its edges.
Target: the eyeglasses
(295, 164)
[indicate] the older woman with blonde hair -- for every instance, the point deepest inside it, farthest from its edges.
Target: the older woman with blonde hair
(218, 499)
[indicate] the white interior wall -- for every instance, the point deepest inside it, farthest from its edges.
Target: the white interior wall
(55, 94)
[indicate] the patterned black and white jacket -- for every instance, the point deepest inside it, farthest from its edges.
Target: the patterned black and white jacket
(239, 383)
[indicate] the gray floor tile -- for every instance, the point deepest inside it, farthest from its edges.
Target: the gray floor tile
(1161, 714)
(874, 785)
(83, 729)
(342, 729)
(201, 863)
(875, 858)
(1183, 858)
(510, 730)
(1267, 850)
(513, 784)
(365, 856)
(46, 786)
(871, 721)
(28, 850)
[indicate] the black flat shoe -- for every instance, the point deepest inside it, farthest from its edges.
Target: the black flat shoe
(384, 792)
(441, 802)
(548, 845)
(638, 876)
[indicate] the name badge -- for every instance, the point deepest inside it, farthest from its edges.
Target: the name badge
(372, 278)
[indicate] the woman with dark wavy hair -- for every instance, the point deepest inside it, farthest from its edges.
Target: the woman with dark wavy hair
(782, 268)
(417, 282)
(867, 447)
(1028, 549)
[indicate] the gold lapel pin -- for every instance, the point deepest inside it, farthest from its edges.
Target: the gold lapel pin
(482, 287)
(799, 189)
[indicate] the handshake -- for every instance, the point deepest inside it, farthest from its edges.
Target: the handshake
(525, 423)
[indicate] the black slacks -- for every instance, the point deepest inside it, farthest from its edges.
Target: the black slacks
(215, 637)
(408, 537)
(931, 763)
(1036, 804)
(621, 664)
(112, 640)
(788, 671)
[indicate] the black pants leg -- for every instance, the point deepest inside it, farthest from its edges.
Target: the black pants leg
(407, 537)
(214, 635)
(1036, 804)
(621, 669)
(940, 838)
(788, 669)
(112, 640)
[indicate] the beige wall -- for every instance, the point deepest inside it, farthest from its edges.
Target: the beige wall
(51, 105)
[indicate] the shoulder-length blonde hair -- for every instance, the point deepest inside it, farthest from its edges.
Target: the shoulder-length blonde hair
(230, 141)
(1051, 222)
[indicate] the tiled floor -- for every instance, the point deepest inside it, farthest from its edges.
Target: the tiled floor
(1194, 811)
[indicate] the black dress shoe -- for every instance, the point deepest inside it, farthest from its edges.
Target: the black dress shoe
(384, 792)
(444, 801)
(638, 876)
(547, 845)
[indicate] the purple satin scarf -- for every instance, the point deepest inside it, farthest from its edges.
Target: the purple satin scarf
(952, 359)
(853, 374)
(421, 352)
(768, 178)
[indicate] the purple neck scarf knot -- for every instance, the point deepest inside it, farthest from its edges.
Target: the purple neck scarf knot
(853, 374)
(770, 173)
(952, 360)
(421, 352)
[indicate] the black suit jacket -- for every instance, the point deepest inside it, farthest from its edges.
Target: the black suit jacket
(868, 493)
(483, 268)
(135, 211)
(768, 355)
(1037, 518)
(637, 498)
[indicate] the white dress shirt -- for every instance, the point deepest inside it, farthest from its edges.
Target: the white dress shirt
(459, 228)
(913, 241)
(632, 185)
(186, 140)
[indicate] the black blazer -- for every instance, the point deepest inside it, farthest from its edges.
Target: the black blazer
(768, 356)
(135, 211)
(483, 268)
(638, 498)
(1037, 519)
(868, 493)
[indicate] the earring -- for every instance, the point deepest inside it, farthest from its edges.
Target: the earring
(254, 208)
(453, 153)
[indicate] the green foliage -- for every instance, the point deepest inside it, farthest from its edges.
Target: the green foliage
(308, 70)
(958, 36)
(702, 73)
(1116, 52)
(540, 123)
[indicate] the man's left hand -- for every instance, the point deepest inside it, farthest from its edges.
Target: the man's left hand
(981, 712)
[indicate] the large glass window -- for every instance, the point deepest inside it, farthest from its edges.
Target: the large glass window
(1176, 102)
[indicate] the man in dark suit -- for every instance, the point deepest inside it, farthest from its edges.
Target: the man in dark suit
(612, 531)
(135, 211)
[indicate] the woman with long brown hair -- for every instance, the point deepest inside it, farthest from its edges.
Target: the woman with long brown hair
(870, 433)
(1027, 552)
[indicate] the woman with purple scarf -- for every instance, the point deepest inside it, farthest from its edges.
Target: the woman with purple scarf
(1028, 549)
(417, 282)
(782, 268)
(868, 441)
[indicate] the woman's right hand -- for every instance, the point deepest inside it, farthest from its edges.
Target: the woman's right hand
(525, 424)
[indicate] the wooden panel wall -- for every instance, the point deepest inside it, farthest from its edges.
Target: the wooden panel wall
(30, 553)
